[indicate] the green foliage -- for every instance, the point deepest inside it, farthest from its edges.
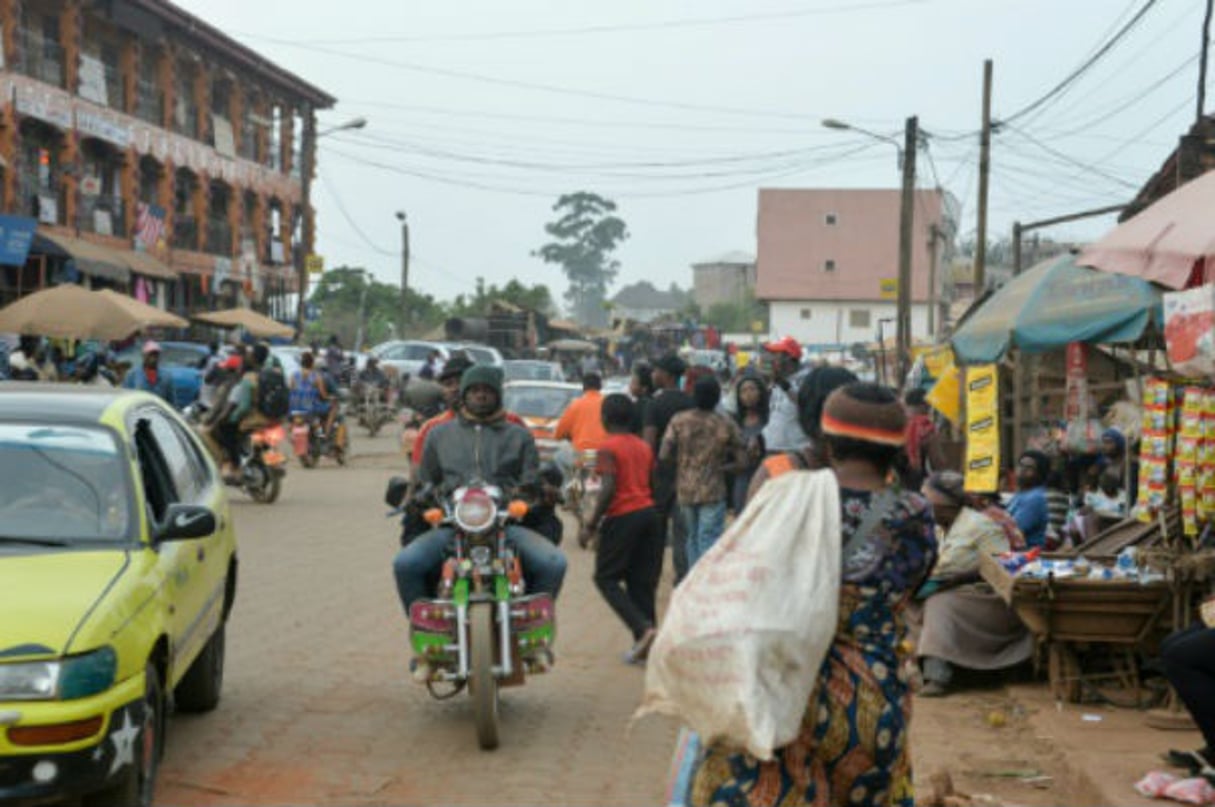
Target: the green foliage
(586, 234)
(736, 317)
(340, 293)
(533, 298)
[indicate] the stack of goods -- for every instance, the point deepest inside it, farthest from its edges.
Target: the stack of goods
(1156, 448)
(1196, 458)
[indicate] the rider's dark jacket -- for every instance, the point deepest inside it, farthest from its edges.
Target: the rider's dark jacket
(493, 450)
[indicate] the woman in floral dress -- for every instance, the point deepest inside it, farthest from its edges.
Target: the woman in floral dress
(853, 748)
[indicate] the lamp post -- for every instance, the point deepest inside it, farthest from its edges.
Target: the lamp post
(307, 169)
(358, 339)
(404, 270)
(907, 155)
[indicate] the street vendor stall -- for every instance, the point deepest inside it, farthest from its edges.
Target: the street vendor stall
(253, 322)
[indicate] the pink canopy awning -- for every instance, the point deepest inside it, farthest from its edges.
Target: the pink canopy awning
(1166, 242)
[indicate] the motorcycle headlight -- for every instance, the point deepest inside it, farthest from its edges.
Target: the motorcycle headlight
(475, 511)
(61, 679)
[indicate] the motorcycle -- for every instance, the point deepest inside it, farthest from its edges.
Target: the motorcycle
(310, 441)
(582, 488)
(262, 465)
(481, 631)
(374, 407)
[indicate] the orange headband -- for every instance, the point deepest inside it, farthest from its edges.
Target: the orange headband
(840, 428)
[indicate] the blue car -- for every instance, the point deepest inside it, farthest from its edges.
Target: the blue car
(184, 362)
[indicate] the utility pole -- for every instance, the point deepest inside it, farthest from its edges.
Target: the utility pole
(404, 271)
(1202, 65)
(307, 228)
(358, 340)
(984, 169)
(1016, 245)
(911, 138)
(934, 233)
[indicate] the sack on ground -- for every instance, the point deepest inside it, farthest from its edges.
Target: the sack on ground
(747, 630)
(273, 396)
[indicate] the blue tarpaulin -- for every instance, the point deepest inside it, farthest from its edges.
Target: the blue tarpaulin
(1054, 303)
(16, 235)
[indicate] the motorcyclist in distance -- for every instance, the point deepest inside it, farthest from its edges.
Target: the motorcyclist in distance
(479, 445)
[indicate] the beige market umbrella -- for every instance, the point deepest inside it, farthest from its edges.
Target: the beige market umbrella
(151, 316)
(73, 312)
(253, 322)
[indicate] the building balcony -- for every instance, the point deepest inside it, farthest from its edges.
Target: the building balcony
(42, 202)
(103, 215)
(219, 237)
(185, 233)
(149, 102)
(40, 58)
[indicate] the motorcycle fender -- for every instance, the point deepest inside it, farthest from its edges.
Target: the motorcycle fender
(299, 439)
(517, 676)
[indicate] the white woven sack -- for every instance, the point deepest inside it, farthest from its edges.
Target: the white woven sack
(747, 630)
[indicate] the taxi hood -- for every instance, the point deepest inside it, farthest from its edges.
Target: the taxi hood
(47, 595)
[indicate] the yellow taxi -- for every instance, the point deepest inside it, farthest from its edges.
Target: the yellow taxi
(117, 573)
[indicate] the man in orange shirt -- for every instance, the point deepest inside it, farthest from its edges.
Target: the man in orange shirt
(581, 423)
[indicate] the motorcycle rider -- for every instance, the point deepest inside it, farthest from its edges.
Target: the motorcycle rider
(449, 381)
(243, 415)
(309, 394)
(479, 444)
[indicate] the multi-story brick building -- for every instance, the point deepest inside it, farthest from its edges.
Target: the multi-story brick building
(156, 154)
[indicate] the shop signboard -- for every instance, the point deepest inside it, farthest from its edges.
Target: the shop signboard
(315, 264)
(92, 79)
(982, 429)
(43, 104)
(1189, 330)
(16, 236)
(95, 123)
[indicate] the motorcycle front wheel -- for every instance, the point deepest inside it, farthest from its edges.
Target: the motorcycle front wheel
(266, 488)
(484, 685)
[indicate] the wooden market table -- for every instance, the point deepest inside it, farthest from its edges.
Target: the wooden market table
(1070, 615)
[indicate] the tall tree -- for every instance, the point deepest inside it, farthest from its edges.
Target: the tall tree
(345, 298)
(586, 234)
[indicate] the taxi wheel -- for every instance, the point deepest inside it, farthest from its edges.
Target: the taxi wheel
(139, 786)
(200, 686)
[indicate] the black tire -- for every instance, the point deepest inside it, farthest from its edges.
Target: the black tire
(266, 492)
(339, 454)
(200, 687)
(484, 684)
(139, 786)
(308, 459)
(373, 428)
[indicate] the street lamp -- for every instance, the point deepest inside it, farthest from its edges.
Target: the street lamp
(907, 154)
(404, 270)
(308, 145)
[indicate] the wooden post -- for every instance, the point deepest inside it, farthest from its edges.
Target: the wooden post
(984, 171)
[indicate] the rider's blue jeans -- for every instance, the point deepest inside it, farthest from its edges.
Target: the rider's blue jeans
(543, 564)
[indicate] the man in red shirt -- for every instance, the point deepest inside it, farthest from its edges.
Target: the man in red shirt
(628, 560)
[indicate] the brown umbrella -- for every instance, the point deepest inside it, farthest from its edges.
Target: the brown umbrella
(253, 322)
(151, 316)
(73, 312)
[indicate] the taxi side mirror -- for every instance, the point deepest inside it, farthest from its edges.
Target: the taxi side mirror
(186, 521)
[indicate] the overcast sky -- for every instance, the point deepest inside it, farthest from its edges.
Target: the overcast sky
(482, 112)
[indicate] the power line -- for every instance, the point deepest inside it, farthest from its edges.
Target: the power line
(1073, 161)
(1084, 67)
(549, 88)
(350, 220)
(606, 29)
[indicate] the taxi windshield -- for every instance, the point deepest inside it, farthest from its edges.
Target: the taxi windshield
(61, 485)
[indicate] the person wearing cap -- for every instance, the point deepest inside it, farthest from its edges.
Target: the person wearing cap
(668, 401)
(784, 432)
(478, 445)
(149, 377)
(853, 746)
(242, 414)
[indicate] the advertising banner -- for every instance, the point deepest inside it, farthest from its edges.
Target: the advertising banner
(982, 429)
(1189, 330)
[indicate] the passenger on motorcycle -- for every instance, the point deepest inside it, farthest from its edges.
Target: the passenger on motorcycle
(243, 415)
(450, 383)
(309, 394)
(480, 444)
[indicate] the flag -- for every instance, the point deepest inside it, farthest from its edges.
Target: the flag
(149, 224)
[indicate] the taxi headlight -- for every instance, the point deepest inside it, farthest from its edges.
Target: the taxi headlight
(63, 679)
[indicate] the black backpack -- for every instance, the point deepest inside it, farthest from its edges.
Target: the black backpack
(273, 397)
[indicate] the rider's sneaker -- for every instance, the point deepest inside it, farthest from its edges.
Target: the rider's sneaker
(640, 650)
(420, 670)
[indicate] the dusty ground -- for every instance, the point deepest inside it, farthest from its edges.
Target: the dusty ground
(318, 708)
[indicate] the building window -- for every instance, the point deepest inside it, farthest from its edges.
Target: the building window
(829, 265)
(829, 219)
(805, 313)
(149, 99)
(100, 209)
(41, 55)
(185, 224)
(38, 172)
(858, 318)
